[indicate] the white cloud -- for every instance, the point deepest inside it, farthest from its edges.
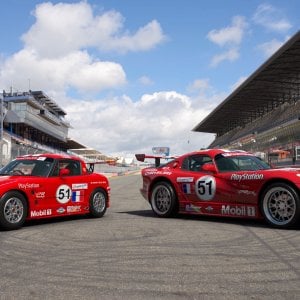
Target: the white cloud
(199, 85)
(270, 47)
(271, 18)
(56, 58)
(76, 70)
(55, 54)
(230, 35)
(145, 38)
(231, 55)
(62, 28)
(145, 80)
(159, 119)
(238, 83)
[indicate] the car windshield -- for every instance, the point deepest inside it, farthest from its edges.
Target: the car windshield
(240, 163)
(29, 167)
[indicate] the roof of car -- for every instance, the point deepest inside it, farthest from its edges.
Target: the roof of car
(50, 155)
(214, 152)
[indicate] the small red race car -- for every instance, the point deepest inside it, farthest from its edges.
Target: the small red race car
(219, 182)
(50, 185)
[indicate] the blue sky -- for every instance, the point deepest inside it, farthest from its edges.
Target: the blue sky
(136, 74)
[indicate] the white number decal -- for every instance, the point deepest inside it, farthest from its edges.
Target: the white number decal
(63, 194)
(206, 187)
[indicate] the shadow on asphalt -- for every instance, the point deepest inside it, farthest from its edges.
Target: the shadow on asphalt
(198, 218)
(40, 222)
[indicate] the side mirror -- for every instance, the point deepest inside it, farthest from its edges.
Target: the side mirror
(64, 172)
(175, 165)
(209, 167)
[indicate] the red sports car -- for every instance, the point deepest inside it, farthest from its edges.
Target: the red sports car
(223, 183)
(50, 185)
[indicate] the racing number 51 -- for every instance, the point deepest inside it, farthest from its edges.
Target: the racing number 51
(202, 187)
(64, 193)
(206, 187)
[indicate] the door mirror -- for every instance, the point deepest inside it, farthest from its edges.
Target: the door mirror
(175, 165)
(64, 172)
(209, 167)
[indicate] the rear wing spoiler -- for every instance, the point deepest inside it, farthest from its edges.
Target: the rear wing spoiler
(157, 158)
(91, 165)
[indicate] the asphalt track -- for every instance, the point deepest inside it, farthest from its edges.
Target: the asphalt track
(130, 254)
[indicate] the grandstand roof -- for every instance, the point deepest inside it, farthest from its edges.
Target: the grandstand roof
(275, 82)
(89, 153)
(72, 144)
(42, 96)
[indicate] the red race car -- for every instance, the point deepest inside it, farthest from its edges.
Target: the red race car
(50, 185)
(219, 182)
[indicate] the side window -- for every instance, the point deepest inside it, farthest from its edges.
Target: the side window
(195, 162)
(55, 171)
(185, 164)
(73, 166)
(225, 164)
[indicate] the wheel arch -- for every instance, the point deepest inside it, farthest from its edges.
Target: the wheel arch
(173, 208)
(277, 180)
(160, 179)
(266, 213)
(23, 194)
(94, 212)
(273, 181)
(107, 193)
(100, 188)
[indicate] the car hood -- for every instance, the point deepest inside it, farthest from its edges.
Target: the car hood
(288, 173)
(5, 178)
(287, 169)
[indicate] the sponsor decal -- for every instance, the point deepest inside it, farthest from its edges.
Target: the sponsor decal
(97, 182)
(79, 186)
(209, 209)
(41, 158)
(73, 209)
(186, 188)
(61, 210)
(41, 213)
(246, 192)
(192, 208)
(185, 179)
(247, 176)
(247, 211)
(26, 186)
(157, 172)
(205, 187)
(76, 196)
(40, 195)
(63, 194)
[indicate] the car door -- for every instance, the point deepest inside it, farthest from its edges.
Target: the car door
(242, 179)
(197, 185)
(69, 187)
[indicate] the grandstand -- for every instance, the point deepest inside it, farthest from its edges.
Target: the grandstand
(32, 122)
(263, 114)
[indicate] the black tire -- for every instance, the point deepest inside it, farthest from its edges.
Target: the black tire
(163, 200)
(98, 203)
(13, 210)
(280, 205)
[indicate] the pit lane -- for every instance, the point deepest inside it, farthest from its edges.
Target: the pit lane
(130, 254)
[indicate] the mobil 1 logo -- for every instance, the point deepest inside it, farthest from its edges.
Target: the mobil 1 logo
(206, 187)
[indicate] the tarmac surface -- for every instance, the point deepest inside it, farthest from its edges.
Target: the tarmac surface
(131, 254)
